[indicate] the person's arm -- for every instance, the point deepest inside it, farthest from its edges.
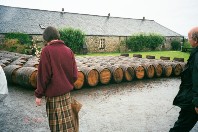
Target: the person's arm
(195, 82)
(44, 73)
(75, 72)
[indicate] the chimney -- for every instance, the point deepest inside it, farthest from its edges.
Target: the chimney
(108, 15)
(62, 11)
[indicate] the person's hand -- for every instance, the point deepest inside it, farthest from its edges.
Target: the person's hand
(38, 101)
(196, 109)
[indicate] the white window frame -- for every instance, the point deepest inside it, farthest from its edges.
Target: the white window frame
(102, 44)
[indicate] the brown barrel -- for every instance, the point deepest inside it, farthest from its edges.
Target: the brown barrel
(158, 69)
(149, 70)
(139, 70)
(124, 54)
(129, 72)
(91, 75)
(31, 64)
(19, 62)
(27, 76)
(80, 81)
(23, 58)
(178, 59)
(150, 57)
(117, 73)
(164, 58)
(104, 74)
(5, 62)
(10, 72)
(167, 69)
(2, 65)
(183, 64)
(177, 68)
(137, 55)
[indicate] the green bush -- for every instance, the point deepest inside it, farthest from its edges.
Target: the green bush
(73, 38)
(13, 45)
(175, 45)
(186, 45)
(140, 42)
(23, 38)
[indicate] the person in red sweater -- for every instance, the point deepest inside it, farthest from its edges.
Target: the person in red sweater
(57, 73)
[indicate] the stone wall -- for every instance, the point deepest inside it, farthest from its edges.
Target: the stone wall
(114, 44)
(168, 40)
(38, 39)
(111, 44)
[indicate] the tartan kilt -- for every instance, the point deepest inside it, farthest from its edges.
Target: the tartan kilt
(59, 113)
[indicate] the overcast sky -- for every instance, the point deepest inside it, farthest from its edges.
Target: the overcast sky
(177, 15)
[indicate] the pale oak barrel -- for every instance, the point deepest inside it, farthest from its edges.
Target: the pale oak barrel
(80, 80)
(10, 72)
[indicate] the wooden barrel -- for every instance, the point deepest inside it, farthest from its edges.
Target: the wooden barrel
(177, 69)
(2, 65)
(183, 64)
(167, 69)
(139, 70)
(10, 72)
(91, 75)
(149, 70)
(117, 73)
(19, 62)
(129, 72)
(80, 81)
(178, 59)
(31, 64)
(7, 59)
(158, 69)
(23, 58)
(124, 54)
(27, 76)
(164, 58)
(5, 62)
(104, 74)
(137, 55)
(150, 57)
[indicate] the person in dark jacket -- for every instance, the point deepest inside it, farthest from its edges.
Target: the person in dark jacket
(57, 73)
(187, 97)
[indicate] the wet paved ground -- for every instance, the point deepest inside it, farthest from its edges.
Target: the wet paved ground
(138, 106)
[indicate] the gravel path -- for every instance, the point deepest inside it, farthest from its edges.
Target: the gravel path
(138, 106)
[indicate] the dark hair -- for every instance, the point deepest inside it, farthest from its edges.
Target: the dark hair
(51, 33)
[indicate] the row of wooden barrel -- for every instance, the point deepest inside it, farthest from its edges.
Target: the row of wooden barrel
(27, 76)
(104, 74)
(24, 76)
(94, 70)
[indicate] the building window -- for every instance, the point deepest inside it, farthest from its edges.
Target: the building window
(102, 44)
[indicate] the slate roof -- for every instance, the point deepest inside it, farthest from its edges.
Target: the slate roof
(30, 21)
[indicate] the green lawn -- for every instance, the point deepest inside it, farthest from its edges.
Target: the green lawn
(157, 54)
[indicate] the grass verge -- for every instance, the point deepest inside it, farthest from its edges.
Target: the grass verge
(157, 54)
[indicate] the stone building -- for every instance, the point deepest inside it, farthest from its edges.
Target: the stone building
(103, 33)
